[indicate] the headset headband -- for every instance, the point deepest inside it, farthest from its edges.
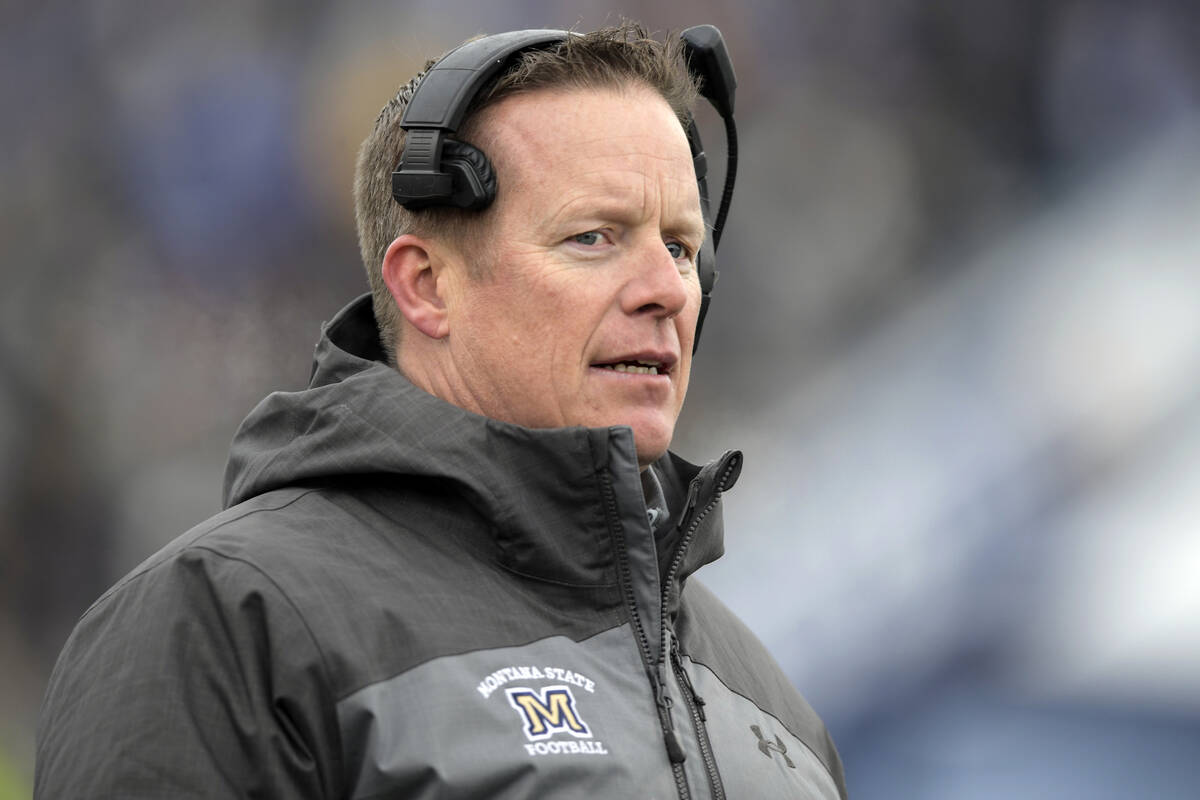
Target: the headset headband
(437, 108)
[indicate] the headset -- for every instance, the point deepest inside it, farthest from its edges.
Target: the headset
(436, 169)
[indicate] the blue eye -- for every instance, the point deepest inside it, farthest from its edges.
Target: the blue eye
(676, 250)
(588, 239)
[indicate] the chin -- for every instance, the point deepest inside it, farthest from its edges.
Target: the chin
(652, 430)
(651, 445)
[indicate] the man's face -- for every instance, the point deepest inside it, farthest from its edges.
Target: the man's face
(587, 311)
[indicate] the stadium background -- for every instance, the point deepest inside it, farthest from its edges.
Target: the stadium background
(956, 335)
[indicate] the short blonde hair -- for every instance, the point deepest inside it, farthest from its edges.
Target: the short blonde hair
(610, 58)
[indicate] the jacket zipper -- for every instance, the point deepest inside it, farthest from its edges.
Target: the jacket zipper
(657, 675)
(694, 702)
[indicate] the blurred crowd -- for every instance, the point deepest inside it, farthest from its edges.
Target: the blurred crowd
(956, 335)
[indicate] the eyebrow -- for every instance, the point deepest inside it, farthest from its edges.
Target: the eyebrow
(608, 207)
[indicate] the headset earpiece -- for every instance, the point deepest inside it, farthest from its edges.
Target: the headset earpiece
(464, 179)
(472, 176)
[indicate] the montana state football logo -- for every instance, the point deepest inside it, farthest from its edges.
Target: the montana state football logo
(547, 712)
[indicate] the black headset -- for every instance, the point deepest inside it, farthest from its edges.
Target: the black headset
(438, 170)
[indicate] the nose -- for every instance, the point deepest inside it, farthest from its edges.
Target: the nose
(656, 287)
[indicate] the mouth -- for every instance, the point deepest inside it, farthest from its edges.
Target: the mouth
(636, 367)
(643, 364)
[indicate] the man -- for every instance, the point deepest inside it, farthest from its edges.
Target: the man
(458, 564)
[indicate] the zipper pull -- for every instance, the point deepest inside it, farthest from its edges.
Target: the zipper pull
(686, 680)
(692, 496)
(674, 748)
(664, 701)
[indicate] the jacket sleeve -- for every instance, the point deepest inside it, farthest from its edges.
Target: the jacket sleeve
(194, 678)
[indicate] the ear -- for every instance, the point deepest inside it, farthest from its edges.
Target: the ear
(411, 272)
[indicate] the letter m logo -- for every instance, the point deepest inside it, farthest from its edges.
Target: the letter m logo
(548, 712)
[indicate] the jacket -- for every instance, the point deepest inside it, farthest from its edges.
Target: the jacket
(406, 600)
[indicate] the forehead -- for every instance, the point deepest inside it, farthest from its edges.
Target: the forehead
(601, 140)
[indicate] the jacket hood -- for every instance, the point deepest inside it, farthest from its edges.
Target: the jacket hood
(361, 418)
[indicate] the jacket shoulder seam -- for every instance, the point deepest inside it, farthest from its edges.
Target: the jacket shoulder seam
(771, 714)
(350, 693)
(145, 570)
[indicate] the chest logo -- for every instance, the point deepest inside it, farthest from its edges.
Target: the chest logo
(547, 712)
(545, 701)
(777, 746)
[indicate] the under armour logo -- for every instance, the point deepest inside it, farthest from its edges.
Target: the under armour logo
(767, 747)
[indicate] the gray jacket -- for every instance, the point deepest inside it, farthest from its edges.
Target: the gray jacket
(406, 600)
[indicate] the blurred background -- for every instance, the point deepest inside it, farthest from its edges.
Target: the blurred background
(957, 335)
